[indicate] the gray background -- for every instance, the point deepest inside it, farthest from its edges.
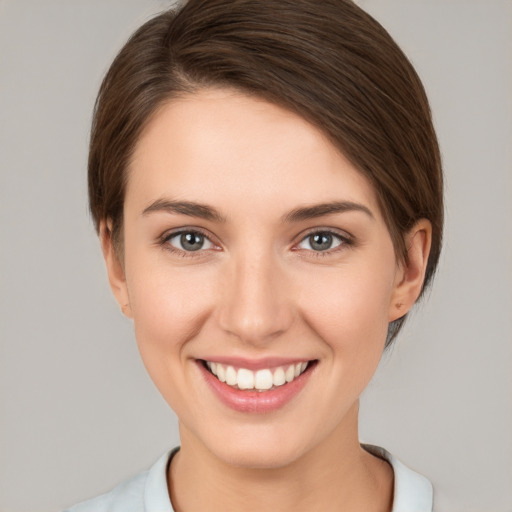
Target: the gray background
(77, 411)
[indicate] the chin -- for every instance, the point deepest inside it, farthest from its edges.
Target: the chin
(257, 458)
(258, 450)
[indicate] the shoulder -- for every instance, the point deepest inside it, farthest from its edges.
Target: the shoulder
(127, 497)
(146, 492)
(412, 491)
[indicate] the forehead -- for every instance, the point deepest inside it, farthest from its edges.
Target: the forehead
(221, 144)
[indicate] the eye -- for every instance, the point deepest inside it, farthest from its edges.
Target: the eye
(322, 241)
(188, 241)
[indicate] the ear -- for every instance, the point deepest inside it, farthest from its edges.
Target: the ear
(411, 274)
(115, 268)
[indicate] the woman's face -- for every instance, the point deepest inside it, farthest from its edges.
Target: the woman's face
(251, 243)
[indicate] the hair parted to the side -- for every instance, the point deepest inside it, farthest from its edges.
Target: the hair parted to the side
(326, 60)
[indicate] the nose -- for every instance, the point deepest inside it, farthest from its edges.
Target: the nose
(255, 304)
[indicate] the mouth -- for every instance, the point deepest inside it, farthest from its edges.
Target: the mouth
(261, 380)
(257, 386)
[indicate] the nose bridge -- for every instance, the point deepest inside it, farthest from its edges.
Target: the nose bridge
(254, 305)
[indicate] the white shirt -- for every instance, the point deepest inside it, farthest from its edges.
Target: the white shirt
(147, 491)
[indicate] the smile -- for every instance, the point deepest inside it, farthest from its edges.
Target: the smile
(267, 387)
(264, 379)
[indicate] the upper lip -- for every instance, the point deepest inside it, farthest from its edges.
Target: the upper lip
(256, 364)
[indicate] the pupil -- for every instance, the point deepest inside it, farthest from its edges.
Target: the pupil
(321, 241)
(191, 241)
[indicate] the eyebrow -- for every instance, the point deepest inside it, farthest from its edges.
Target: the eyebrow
(319, 210)
(190, 208)
(206, 212)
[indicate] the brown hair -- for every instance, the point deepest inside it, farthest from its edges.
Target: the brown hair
(326, 60)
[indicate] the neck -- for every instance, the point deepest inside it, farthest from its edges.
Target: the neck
(335, 475)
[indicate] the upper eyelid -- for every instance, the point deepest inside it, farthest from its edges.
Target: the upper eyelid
(178, 231)
(344, 235)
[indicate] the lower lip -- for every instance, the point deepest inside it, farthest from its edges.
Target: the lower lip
(255, 401)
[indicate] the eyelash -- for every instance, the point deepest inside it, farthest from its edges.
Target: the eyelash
(345, 241)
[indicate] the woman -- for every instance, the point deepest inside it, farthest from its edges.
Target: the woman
(266, 184)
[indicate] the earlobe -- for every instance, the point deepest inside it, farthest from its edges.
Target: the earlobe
(115, 270)
(411, 273)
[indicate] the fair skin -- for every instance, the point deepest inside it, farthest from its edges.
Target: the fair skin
(260, 292)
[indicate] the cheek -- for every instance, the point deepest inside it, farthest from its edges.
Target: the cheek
(349, 309)
(169, 306)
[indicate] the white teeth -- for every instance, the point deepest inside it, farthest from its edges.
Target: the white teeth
(278, 379)
(261, 380)
(231, 376)
(290, 373)
(221, 373)
(245, 379)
